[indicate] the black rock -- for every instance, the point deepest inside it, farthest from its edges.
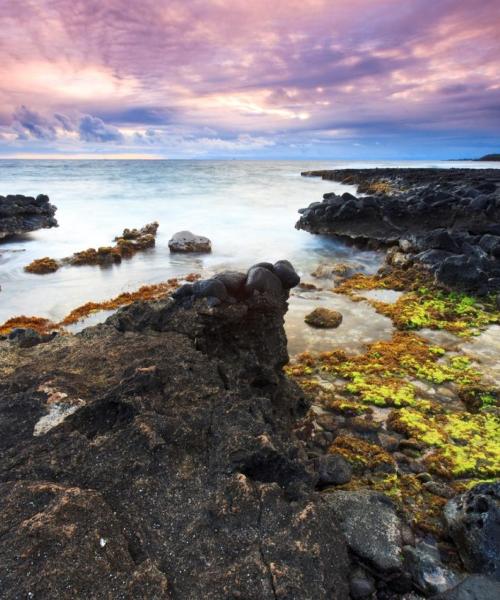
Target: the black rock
(287, 274)
(473, 522)
(265, 265)
(27, 338)
(444, 212)
(234, 283)
(171, 470)
(333, 470)
(207, 288)
(427, 571)
(262, 280)
(22, 214)
(361, 585)
(473, 587)
(462, 272)
(371, 527)
(183, 291)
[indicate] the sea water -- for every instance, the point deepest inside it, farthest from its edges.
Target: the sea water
(247, 208)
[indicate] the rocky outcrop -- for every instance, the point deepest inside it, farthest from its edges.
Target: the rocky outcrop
(446, 219)
(166, 466)
(127, 244)
(22, 214)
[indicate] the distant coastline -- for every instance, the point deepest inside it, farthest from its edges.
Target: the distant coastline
(485, 158)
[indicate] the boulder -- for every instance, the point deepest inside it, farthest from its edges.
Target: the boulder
(428, 573)
(473, 522)
(324, 318)
(262, 280)
(286, 273)
(333, 470)
(371, 526)
(185, 241)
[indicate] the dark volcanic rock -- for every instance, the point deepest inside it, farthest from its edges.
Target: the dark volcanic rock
(449, 218)
(473, 521)
(427, 571)
(372, 528)
(167, 466)
(22, 214)
(474, 587)
(333, 470)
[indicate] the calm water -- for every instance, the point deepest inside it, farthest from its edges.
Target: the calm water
(247, 208)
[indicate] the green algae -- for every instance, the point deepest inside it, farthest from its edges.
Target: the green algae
(423, 305)
(436, 309)
(460, 444)
(383, 375)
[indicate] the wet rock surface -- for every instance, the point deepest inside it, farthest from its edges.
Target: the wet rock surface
(473, 521)
(446, 219)
(178, 475)
(126, 245)
(22, 214)
(473, 587)
(324, 318)
(372, 528)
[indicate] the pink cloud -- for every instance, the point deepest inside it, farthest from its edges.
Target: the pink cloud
(254, 67)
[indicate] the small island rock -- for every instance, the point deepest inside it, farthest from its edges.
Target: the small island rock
(185, 241)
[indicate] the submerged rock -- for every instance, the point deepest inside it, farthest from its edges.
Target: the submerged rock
(22, 214)
(177, 475)
(185, 241)
(324, 318)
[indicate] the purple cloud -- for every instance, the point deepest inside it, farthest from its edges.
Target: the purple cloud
(297, 68)
(93, 129)
(28, 123)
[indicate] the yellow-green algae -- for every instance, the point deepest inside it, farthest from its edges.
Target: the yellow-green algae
(423, 305)
(383, 375)
(460, 444)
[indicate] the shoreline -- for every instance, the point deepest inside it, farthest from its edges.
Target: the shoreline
(396, 434)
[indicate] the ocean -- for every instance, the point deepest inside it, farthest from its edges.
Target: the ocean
(247, 208)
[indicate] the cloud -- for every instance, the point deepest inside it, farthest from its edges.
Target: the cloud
(93, 129)
(256, 69)
(28, 123)
(65, 122)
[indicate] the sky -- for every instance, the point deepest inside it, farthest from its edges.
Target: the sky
(283, 79)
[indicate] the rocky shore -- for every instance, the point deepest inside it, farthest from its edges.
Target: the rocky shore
(152, 456)
(176, 451)
(22, 214)
(445, 219)
(166, 454)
